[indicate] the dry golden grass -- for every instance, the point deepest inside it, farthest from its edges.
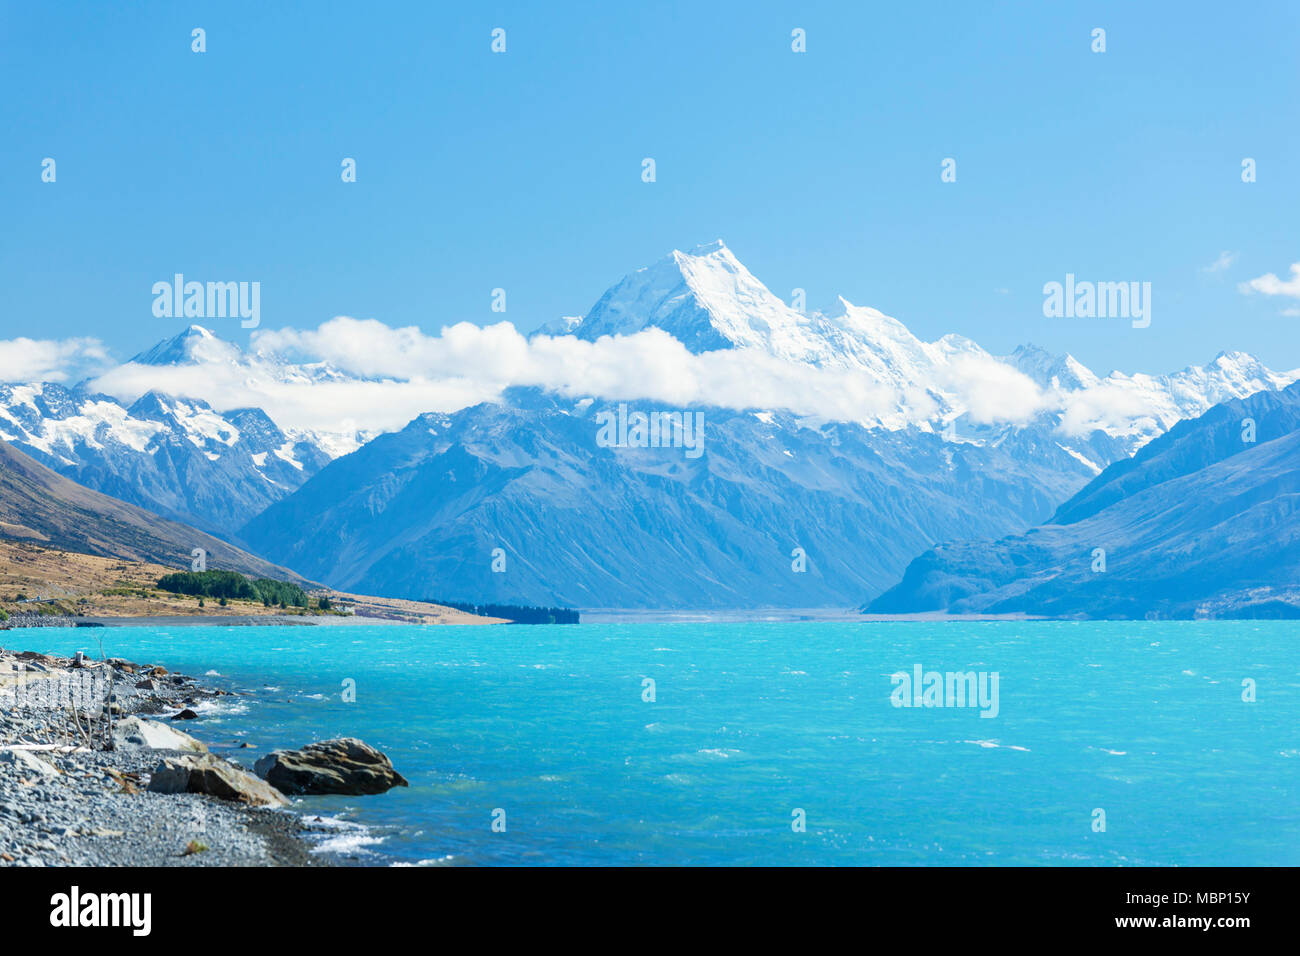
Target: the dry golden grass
(79, 582)
(93, 586)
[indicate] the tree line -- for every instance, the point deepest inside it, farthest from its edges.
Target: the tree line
(234, 586)
(515, 613)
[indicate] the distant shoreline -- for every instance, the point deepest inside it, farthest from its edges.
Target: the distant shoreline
(782, 616)
(245, 620)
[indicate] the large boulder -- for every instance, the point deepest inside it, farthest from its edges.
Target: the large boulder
(134, 733)
(345, 766)
(27, 763)
(210, 774)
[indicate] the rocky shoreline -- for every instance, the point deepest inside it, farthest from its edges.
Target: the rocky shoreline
(74, 793)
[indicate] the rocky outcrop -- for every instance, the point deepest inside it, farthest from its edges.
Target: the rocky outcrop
(345, 766)
(149, 734)
(216, 777)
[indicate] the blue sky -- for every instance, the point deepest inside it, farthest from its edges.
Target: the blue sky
(821, 170)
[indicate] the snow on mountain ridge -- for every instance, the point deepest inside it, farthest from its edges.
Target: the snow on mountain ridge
(177, 457)
(708, 300)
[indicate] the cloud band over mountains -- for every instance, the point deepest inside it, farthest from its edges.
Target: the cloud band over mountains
(351, 375)
(390, 375)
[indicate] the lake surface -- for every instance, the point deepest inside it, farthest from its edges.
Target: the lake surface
(752, 722)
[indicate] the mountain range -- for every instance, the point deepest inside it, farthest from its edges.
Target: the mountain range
(420, 512)
(178, 457)
(1202, 522)
(41, 507)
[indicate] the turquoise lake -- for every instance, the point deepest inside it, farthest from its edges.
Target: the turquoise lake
(752, 722)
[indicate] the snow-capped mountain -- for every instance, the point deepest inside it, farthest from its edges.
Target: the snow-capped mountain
(177, 458)
(709, 301)
(419, 513)
(194, 346)
(1052, 371)
(974, 445)
(197, 347)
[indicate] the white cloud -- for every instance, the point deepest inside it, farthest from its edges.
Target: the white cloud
(1110, 405)
(993, 391)
(1269, 284)
(331, 406)
(405, 372)
(349, 375)
(1225, 260)
(49, 360)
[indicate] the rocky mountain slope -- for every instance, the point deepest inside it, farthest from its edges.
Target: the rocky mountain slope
(39, 506)
(1202, 522)
(419, 513)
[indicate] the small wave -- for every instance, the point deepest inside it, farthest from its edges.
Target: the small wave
(219, 707)
(339, 836)
(995, 745)
(440, 861)
(346, 843)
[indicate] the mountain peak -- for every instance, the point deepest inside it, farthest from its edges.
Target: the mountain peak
(194, 345)
(709, 248)
(1051, 370)
(838, 309)
(705, 298)
(1234, 357)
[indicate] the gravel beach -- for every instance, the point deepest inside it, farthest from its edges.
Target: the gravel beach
(66, 800)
